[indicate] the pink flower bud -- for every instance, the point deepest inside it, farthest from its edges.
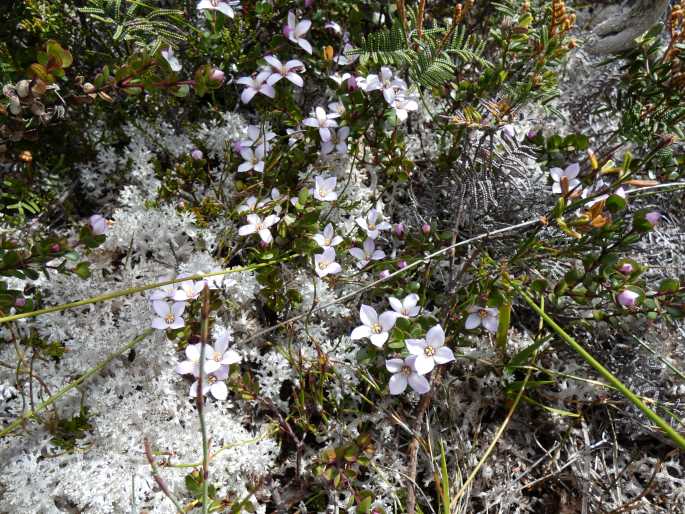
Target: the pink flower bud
(399, 230)
(264, 244)
(308, 3)
(197, 154)
(98, 224)
(402, 264)
(237, 147)
(20, 302)
(287, 30)
(384, 274)
(627, 298)
(626, 268)
(426, 229)
(352, 84)
(55, 248)
(217, 75)
(653, 217)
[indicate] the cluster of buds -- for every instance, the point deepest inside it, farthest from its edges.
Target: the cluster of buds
(562, 21)
(676, 25)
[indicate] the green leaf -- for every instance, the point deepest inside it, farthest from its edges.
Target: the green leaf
(669, 285)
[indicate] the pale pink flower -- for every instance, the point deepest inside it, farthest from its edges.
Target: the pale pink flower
(367, 253)
(324, 263)
(324, 189)
(327, 238)
(376, 328)
(258, 226)
(430, 351)
(570, 174)
(627, 298)
(256, 84)
(294, 31)
(223, 6)
(171, 59)
(98, 224)
(403, 373)
(289, 71)
(488, 317)
(322, 121)
(191, 366)
(254, 159)
(338, 141)
(169, 315)
(214, 383)
(406, 308)
(373, 223)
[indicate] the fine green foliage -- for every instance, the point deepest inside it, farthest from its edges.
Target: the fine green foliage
(432, 59)
(137, 22)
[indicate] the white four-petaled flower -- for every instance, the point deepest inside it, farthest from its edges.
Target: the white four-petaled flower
(373, 223)
(169, 315)
(430, 351)
(256, 84)
(406, 308)
(294, 31)
(223, 6)
(254, 159)
(376, 328)
(324, 189)
(367, 253)
(488, 317)
(288, 70)
(327, 238)
(170, 58)
(567, 177)
(403, 373)
(258, 226)
(324, 263)
(338, 141)
(323, 121)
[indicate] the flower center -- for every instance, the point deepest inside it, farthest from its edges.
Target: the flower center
(259, 227)
(429, 351)
(406, 370)
(321, 192)
(169, 319)
(322, 265)
(216, 357)
(376, 328)
(327, 241)
(372, 226)
(211, 379)
(483, 313)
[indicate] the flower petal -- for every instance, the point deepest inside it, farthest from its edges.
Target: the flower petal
(397, 383)
(387, 320)
(435, 337)
(423, 364)
(368, 315)
(443, 355)
(419, 383)
(379, 339)
(394, 365)
(415, 346)
(360, 332)
(473, 321)
(490, 323)
(219, 390)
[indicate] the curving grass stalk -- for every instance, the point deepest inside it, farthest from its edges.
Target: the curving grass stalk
(71, 385)
(138, 289)
(675, 436)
